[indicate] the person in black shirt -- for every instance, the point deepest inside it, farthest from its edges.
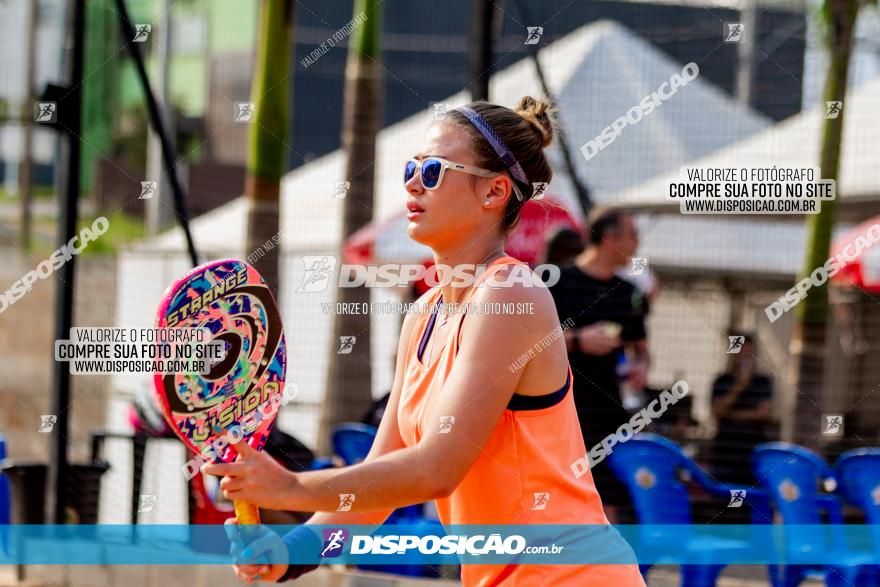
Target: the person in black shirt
(608, 331)
(742, 404)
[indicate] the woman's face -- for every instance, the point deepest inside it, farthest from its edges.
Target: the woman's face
(445, 217)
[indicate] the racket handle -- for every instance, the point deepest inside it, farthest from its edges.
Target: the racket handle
(248, 516)
(246, 513)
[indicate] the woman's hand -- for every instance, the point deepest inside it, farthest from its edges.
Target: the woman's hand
(256, 478)
(247, 555)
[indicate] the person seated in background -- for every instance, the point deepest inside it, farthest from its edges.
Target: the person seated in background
(742, 404)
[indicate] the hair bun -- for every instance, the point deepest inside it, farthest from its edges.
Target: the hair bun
(540, 114)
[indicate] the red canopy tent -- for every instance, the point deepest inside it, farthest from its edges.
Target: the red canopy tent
(864, 270)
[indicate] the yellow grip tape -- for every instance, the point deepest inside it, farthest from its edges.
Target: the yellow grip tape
(247, 513)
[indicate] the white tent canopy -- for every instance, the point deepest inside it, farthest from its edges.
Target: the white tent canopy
(772, 246)
(598, 73)
(794, 142)
(728, 245)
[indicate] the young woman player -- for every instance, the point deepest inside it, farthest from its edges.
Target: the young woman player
(462, 426)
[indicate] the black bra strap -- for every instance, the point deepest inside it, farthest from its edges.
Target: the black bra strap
(519, 403)
(428, 330)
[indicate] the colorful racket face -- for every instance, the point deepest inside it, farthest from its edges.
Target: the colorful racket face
(241, 394)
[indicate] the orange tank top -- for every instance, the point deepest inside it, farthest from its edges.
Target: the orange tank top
(522, 476)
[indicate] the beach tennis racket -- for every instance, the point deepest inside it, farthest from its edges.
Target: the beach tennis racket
(239, 396)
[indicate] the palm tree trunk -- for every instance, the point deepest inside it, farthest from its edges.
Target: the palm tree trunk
(811, 318)
(267, 147)
(349, 389)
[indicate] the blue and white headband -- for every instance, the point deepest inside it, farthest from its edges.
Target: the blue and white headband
(501, 149)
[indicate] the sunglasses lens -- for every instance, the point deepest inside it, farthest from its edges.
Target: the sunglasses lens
(431, 169)
(409, 171)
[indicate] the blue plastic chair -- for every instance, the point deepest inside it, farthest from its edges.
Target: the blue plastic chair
(321, 463)
(858, 481)
(352, 442)
(651, 467)
(791, 475)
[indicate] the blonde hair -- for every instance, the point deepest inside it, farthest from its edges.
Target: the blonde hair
(526, 131)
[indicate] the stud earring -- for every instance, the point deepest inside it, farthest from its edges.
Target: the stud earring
(486, 202)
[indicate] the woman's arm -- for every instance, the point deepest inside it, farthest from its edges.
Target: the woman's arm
(387, 440)
(266, 472)
(476, 393)
(387, 437)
